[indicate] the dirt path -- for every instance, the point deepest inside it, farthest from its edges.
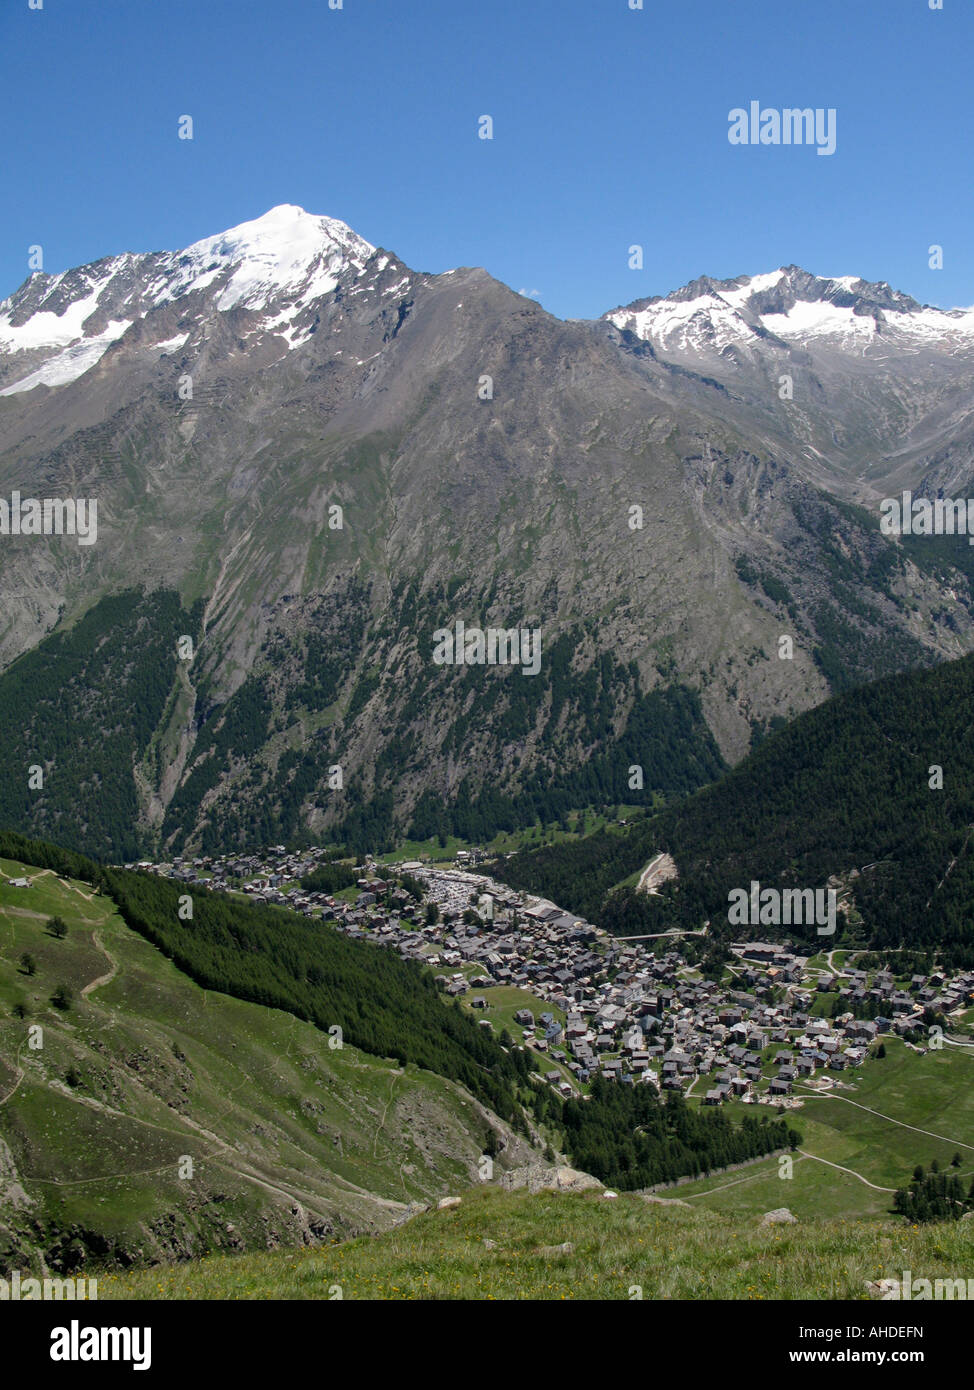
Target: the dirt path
(20, 1076)
(385, 1111)
(851, 1171)
(102, 979)
(829, 1095)
(241, 1168)
(735, 1182)
(88, 897)
(658, 935)
(26, 912)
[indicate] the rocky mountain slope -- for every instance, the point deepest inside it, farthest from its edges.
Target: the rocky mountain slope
(326, 457)
(880, 384)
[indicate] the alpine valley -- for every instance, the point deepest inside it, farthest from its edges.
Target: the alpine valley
(314, 567)
(307, 458)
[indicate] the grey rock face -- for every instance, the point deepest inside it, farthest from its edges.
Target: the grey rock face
(486, 459)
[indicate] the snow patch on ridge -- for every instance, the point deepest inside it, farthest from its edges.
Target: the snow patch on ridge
(72, 362)
(171, 344)
(287, 258)
(45, 329)
(685, 323)
(727, 314)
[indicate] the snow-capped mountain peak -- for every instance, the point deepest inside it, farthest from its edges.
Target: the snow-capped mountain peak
(56, 327)
(709, 317)
(286, 251)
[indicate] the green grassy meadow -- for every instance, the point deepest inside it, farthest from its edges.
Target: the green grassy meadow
(499, 1245)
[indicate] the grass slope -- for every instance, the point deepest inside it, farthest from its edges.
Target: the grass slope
(619, 1247)
(878, 1131)
(290, 1139)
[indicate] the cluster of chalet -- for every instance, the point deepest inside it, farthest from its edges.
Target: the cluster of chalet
(895, 1006)
(631, 1014)
(526, 943)
(268, 877)
(262, 873)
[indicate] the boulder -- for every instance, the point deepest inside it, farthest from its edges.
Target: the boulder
(536, 1177)
(781, 1216)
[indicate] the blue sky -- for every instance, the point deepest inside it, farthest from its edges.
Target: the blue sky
(610, 129)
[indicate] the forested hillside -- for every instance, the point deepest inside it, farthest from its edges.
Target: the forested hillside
(253, 768)
(82, 713)
(630, 1139)
(876, 785)
(384, 1005)
(585, 729)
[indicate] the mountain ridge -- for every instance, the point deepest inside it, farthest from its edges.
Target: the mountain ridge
(287, 224)
(334, 474)
(772, 303)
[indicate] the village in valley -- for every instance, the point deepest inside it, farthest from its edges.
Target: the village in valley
(587, 1003)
